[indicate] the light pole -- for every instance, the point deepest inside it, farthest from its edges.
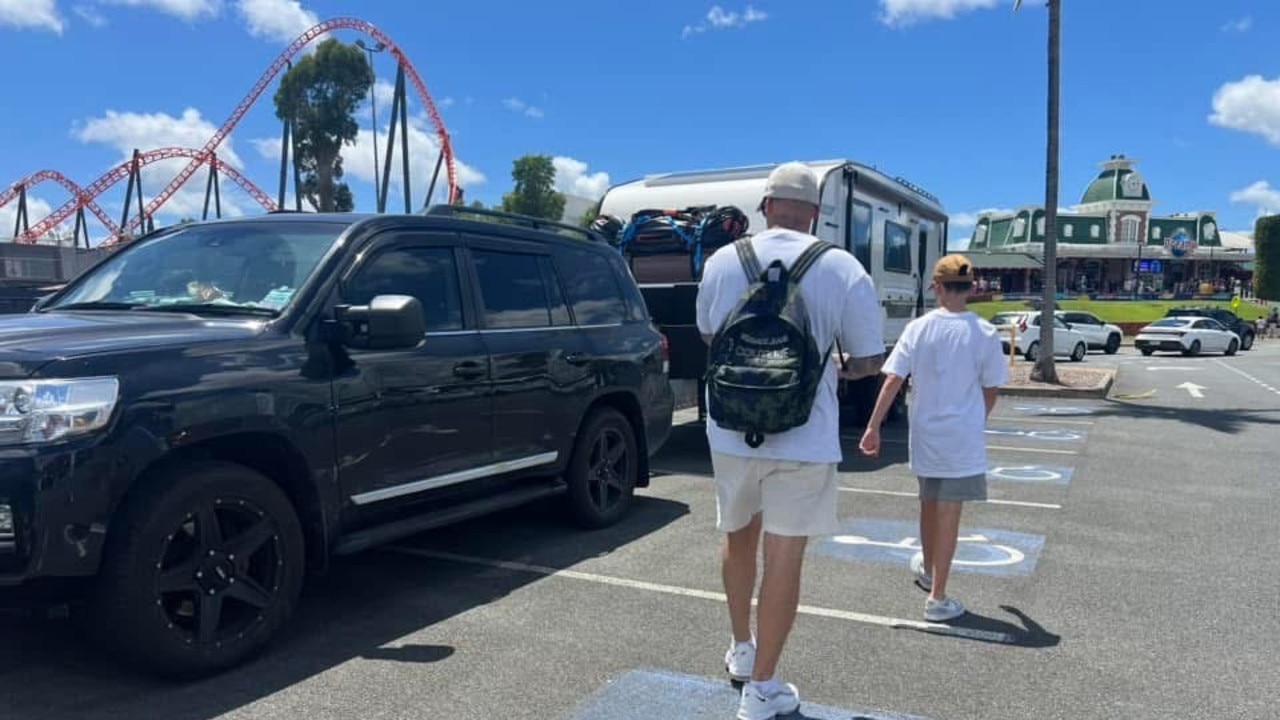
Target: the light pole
(373, 102)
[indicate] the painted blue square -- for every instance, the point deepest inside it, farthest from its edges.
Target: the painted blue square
(649, 694)
(1047, 435)
(1042, 474)
(982, 551)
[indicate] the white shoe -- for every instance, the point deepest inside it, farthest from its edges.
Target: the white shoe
(757, 706)
(740, 660)
(923, 579)
(943, 610)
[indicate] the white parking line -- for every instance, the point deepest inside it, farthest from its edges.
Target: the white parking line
(1247, 376)
(1036, 420)
(989, 501)
(881, 620)
(1046, 451)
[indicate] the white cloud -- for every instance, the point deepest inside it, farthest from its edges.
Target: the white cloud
(445, 102)
(37, 210)
(278, 20)
(517, 105)
(1251, 104)
(189, 10)
(1261, 195)
(90, 15)
(1240, 25)
(572, 178)
(385, 92)
(125, 131)
(718, 18)
(31, 15)
(357, 164)
(900, 13)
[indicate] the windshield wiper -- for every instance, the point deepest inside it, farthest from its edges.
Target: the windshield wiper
(210, 307)
(93, 305)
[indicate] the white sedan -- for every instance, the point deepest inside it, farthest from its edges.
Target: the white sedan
(1188, 335)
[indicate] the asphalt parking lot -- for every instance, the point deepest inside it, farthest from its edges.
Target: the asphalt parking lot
(1124, 567)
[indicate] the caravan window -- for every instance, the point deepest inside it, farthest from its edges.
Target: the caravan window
(897, 248)
(860, 229)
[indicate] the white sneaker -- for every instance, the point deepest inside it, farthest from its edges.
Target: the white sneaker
(923, 579)
(943, 610)
(757, 706)
(740, 660)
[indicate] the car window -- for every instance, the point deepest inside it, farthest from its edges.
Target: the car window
(591, 287)
(555, 294)
(428, 273)
(1004, 318)
(512, 292)
(1170, 322)
(897, 248)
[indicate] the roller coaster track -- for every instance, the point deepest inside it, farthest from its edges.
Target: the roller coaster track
(82, 198)
(202, 156)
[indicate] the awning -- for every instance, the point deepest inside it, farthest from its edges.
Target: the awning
(1005, 261)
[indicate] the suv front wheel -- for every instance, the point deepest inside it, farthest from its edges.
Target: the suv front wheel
(203, 566)
(602, 472)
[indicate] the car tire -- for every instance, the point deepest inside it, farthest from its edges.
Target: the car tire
(1146, 352)
(1233, 347)
(229, 538)
(1078, 352)
(1246, 342)
(1193, 350)
(603, 470)
(1033, 351)
(1113, 344)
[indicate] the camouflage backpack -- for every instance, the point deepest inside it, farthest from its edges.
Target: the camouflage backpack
(764, 365)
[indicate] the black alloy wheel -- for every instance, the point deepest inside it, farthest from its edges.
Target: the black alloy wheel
(603, 471)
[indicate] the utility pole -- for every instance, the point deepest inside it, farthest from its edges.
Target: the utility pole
(373, 102)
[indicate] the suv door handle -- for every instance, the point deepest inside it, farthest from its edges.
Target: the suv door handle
(468, 370)
(577, 358)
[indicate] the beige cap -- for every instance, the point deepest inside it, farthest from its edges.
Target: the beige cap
(792, 181)
(953, 268)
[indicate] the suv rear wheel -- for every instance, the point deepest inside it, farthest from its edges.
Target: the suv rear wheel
(203, 567)
(1246, 341)
(602, 472)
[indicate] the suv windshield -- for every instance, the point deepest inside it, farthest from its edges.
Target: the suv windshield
(248, 266)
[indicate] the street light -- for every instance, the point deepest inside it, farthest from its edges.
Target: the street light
(373, 102)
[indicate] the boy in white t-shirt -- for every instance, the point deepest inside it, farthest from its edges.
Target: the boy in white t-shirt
(956, 364)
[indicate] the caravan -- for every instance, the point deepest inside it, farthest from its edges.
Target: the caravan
(893, 227)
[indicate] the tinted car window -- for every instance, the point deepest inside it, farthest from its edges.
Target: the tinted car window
(555, 295)
(512, 292)
(591, 287)
(427, 273)
(897, 248)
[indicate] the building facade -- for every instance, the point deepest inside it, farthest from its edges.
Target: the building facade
(1113, 242)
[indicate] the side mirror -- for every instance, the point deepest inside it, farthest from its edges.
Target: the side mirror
(388, 322)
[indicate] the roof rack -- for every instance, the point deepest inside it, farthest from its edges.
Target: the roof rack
(916, 188)
(512, 218)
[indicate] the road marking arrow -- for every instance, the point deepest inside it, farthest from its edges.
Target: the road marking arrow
(1192, 388)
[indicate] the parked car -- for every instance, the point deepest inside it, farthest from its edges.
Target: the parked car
(1244, 330)
(1066, 342)
(218, 408)
(1189, 335)
(1100, 335)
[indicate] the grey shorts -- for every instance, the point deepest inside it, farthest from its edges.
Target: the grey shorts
(958, 489)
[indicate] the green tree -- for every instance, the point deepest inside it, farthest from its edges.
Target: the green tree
(590, 216)
(321, 94)
(534, 193)
(1266, 244)
(477, 205)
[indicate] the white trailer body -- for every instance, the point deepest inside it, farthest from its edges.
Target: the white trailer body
(894, 228)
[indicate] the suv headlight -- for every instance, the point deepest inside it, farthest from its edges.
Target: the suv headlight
(42, 411)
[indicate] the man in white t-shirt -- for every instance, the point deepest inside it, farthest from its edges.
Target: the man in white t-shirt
(956, 364)
(787, 485)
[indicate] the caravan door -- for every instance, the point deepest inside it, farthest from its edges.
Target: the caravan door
(898, 279)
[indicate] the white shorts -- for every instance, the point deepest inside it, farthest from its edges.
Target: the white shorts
(797, 499)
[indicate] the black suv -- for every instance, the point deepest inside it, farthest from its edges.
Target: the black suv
(211, 412)
(1246, 330)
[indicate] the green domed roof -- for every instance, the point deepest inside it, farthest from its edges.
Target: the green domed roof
(1117, 181)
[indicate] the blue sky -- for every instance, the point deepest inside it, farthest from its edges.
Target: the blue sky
(948, 93)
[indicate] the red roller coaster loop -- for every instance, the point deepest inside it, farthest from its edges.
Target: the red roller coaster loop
(341, 23)
(78, 195)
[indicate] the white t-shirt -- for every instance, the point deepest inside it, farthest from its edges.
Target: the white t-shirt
(841, 301)
(950, 357)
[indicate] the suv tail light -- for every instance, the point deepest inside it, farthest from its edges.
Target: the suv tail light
(1022, 324)
(666, 354)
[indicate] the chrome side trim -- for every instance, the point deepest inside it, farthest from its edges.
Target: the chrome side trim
(454, 478)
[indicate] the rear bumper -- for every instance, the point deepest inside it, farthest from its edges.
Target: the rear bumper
(1156, 342)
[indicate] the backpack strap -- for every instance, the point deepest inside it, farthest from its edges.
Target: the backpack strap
(808, 259)
(747, 256)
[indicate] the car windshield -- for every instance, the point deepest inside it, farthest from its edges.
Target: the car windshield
(1171, 322)
(250, 267)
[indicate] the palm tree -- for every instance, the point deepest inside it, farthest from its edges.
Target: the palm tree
(1045, 369)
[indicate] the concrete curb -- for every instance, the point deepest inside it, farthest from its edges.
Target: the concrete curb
(1098, 391)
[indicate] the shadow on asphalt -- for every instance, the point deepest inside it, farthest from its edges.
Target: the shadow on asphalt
(686, 452)
(358, 610)
(1222, 420)
(1028, 634)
